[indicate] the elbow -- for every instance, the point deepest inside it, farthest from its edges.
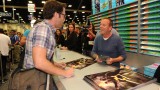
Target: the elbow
(38, 65)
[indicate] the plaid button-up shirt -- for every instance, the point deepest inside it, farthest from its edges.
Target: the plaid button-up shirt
(43, 35)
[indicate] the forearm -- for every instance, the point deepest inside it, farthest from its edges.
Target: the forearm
(118, 59)
(50, 68)
(92, 33)
(16, 43)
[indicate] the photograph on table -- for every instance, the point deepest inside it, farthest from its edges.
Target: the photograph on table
(80, 63)
(120, 79)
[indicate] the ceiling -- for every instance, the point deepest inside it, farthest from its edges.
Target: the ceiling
(21, 13)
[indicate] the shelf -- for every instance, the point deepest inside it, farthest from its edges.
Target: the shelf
(126, 12)
(126, 19)
(147, 6)
(151, 53)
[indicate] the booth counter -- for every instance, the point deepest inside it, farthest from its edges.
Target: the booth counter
(76, 82)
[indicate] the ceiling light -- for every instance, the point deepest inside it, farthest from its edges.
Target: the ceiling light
(69, 5)
(43, 2)
(17, 13)
(30, 2)
(8, 0)
(75, 12)
(41, 9)
(5, 11)
(83, 6)
(68, 15)
(70, 18)
(83, 12)
(83, 16)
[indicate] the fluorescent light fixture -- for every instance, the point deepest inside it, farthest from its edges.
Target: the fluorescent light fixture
(83, 12)
(69, 5)
(8, 0)
(83, 16)
(43, 2)
(17, 13)
(30, 2)
(83, 6)
(75, 12)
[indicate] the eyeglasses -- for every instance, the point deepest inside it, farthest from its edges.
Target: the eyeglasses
(63, 15)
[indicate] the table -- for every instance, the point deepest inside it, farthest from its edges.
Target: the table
(76, 82)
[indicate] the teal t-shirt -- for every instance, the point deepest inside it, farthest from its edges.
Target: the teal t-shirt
(26, 33)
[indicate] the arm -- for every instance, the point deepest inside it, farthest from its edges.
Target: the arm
(24, 38)
(92, 33)
(23, 41)
(40, 62)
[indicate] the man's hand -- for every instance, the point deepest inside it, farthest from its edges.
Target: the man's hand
(63, 48)
(98, 59)
(110, 61)
(69, 73)
(60, 65)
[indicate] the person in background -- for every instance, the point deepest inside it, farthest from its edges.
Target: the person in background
(64, 32)
(59, 38)
(108, 44)
(5, 32)
(19, 34)
(5, 42)
(71, 42)
(15, 44)
(88, 37)
(79, 41)
(41, 42)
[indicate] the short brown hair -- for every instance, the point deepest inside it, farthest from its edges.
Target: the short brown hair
(110, 20)
(51, 7)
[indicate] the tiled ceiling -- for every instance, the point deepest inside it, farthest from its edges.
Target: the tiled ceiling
(21, 13)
